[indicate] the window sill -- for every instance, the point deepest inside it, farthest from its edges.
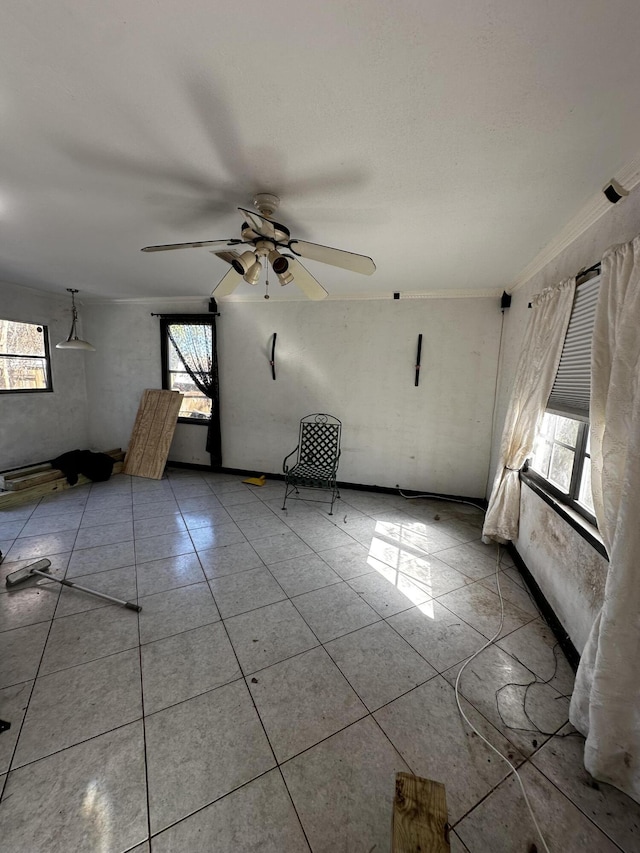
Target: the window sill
(573, 518)
(198, 421)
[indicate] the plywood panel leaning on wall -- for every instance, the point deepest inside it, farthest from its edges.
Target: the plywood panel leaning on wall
(152, 433)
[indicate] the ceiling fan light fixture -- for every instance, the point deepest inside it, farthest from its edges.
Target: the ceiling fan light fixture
(73, 341)
(284, 278)
(244, 262)
(252, 275)
(280, 266)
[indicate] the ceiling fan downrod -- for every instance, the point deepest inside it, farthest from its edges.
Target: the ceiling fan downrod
(266, 204)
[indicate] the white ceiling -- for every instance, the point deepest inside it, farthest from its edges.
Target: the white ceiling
(448, 140)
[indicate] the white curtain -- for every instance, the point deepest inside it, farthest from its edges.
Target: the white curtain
(539, 358)
(605, 705)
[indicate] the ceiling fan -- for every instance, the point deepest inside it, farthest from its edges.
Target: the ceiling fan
(266, 240)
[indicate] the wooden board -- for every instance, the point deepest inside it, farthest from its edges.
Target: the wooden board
(60, 484)
(153, 433)
(7, 476)
(420, 821)
(18, 483)
(35, 475)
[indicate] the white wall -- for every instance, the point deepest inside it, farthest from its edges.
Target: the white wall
(354, 359)
(569, 572)
(36, 427)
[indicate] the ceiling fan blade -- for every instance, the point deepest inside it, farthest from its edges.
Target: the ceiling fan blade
(335, 257)
(260, 224)
(306, 282)
(229, 257)
(227, 284)
(197, 245)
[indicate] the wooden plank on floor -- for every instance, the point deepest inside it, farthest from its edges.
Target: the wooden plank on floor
(152, 433)
(15, 498)
(420, 821)
(33, 475)
(7, 476)
(36, 479)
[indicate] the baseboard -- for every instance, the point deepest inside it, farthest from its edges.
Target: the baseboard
(481, 503)
(570, 651)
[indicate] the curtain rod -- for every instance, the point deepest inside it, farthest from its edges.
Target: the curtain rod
(583, 272)
(186, 317)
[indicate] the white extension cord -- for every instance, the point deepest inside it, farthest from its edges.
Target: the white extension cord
(470, 724)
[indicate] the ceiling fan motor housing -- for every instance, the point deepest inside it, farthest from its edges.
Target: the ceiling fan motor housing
(266, 203)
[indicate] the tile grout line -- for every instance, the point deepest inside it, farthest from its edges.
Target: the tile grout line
(247, 688)
(526, 759)
(322, 644)
(33, 686)
(473, 580)
(144, 723)
(521, 766)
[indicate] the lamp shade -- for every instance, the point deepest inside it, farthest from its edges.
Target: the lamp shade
(76, 343)
(73, 341)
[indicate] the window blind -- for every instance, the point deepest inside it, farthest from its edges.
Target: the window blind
(572, 386)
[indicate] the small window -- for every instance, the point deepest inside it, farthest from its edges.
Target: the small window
(24, 358)
(561, 462)
(196, 337)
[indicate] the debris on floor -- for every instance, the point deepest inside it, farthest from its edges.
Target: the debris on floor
(256, 481)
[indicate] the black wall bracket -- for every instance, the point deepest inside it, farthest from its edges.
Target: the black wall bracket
(417, 379)
(272, 360)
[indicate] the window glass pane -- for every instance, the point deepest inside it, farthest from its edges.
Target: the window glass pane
(19, 374)
(561, 466)
(548, 425)
(190, 337)
(566, 430)
(585, 486)
(541, 456)
(175, 362)
(195, 404)
(21, 338)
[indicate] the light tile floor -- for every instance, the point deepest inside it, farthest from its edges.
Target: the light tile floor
(284, 667)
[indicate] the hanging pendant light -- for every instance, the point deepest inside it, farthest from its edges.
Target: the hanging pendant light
(73, 341)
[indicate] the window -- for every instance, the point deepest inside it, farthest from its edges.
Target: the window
(24, 358)
(193, 337)
(561, 462)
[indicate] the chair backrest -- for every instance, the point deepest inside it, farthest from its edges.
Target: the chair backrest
(319, 442)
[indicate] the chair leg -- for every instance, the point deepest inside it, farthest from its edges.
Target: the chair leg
(289, 489)
(334, 492)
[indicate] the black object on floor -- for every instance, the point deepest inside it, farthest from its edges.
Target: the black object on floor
(95, 466)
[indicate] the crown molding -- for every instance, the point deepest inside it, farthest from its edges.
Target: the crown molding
(149, 300)
(486, 293)
(593, 210)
